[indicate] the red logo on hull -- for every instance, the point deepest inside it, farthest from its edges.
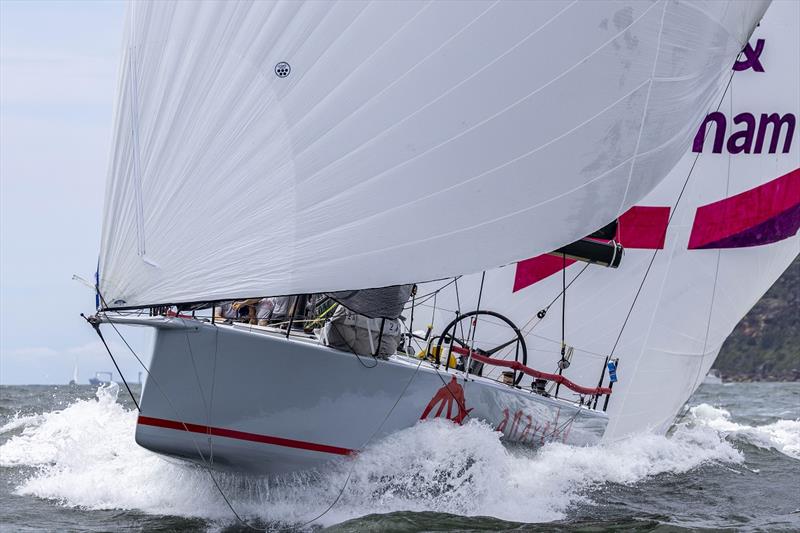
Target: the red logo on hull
(526, 430)
(451, 397)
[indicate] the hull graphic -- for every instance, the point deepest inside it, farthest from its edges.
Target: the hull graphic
(246, 398)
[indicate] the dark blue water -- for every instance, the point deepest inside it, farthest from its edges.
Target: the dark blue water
(69, 462)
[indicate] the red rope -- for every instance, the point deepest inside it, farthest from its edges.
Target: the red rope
(519, 367)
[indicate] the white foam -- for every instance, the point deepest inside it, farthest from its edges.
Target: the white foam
(782, 435)
(18, 421)
(86, 456)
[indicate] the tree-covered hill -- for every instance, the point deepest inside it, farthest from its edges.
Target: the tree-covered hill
(766, 344)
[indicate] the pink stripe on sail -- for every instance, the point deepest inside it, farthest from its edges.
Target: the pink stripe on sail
(761, 215)
(643, 227)
(535, 269)
(639, 227)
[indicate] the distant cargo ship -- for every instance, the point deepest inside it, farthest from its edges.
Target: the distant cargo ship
(98, 378)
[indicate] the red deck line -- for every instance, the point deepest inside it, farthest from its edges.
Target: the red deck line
(519, 367)
(243, 435)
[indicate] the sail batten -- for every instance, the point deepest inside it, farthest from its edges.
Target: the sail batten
(292, 147)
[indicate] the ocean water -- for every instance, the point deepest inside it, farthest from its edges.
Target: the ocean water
(69, 463)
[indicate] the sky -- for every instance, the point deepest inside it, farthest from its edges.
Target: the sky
(58, 77)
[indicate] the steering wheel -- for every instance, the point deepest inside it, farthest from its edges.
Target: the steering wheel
(517, 338)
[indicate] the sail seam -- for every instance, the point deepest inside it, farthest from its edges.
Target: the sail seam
(644, 109)
(673, 211)
(335, 89)
(719, 258)
(475, 126)
(484, 223)
(134, 109)
(444, 94)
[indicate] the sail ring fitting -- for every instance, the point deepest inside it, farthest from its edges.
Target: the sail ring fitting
(283, 69)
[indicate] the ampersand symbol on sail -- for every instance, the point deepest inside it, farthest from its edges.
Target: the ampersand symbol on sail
(447, 396)
(752, 58)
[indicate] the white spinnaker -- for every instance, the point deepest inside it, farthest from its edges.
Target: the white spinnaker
(410, 140)
(692, 298)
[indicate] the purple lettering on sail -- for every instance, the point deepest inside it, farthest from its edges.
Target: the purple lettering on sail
(751, 58)
(748, 135)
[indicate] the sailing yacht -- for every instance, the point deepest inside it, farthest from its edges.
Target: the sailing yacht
(355, 149)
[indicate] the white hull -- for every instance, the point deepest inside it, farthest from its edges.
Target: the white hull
(247, 398)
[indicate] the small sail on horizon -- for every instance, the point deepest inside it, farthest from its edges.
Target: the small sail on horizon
(74, 380)
(282, 148)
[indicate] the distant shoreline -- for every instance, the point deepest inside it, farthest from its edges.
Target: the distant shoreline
(753, 378)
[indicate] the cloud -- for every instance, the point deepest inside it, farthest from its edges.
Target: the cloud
(47, 365)
(33, 351)
(54, 80)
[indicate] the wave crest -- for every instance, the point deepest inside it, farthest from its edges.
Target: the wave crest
(781, 435)
(85, 455)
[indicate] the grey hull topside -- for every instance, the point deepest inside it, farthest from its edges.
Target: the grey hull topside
(250, 399)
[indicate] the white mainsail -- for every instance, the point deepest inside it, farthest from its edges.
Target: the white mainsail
(291, 147)
(732, 235)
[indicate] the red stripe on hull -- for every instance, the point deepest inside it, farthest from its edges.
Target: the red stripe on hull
(242, 435)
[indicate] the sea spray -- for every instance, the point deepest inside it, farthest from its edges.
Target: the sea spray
(781, 435)
(85, 456)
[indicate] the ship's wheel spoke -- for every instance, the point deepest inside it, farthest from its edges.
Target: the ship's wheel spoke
(448, 335)
(501, 346)
(460, 342)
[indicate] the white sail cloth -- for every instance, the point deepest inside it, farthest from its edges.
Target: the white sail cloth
(289, 147)
(693, 296)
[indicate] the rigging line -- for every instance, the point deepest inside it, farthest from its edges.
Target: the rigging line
(554, 300)
(425, 297)
(96, 325)
(454, 311)
(213, 388)
(716, 273)
(200, 454)
(433, 311)
(473, 328)
(563, 318)
(206, 463)
(525, 333)
(197, 378)
(366, 443)
(569, 421)
(175, 410)
(413, 307)
(563, 301)
(411, 337)
(458, 312)
(420, 301)
(436, 291)
(716, 270)
(655, 252)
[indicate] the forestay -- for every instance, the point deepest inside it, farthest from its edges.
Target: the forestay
(288, 147)
(732, 235)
